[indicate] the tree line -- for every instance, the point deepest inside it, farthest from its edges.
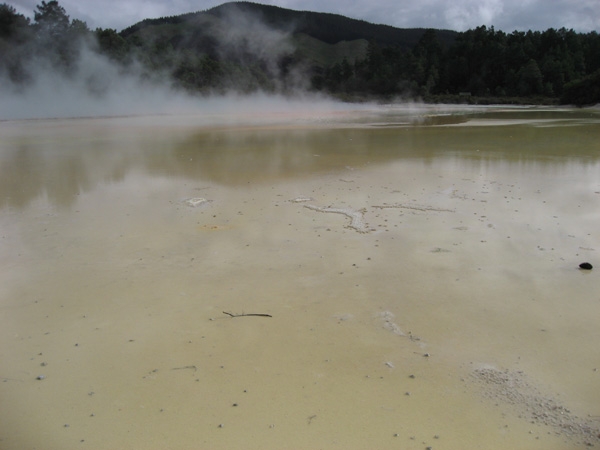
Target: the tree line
(553, 65)
(478, 65)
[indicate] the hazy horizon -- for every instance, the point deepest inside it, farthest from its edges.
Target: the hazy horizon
(459, 15)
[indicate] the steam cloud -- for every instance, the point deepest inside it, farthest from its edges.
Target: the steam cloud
(97, 86)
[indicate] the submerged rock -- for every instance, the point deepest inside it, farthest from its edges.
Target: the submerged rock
(586, 266)
(194, 202)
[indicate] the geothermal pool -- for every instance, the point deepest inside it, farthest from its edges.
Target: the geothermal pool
(381, 278)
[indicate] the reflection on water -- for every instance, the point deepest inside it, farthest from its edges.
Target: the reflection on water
(61, 160)
(112, 289)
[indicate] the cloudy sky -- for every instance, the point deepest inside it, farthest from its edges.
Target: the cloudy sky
(459, 15)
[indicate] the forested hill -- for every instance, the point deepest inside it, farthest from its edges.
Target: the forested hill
(247, 47)
(326, 27)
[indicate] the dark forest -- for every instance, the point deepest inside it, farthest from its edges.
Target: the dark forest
(246, 47)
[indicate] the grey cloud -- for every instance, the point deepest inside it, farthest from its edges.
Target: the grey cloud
(459, 15)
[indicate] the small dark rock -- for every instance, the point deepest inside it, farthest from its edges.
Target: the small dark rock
(586, 266)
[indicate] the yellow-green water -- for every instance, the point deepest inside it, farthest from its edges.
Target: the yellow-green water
(113, 289)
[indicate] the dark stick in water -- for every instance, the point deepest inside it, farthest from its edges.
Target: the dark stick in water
(246, 315)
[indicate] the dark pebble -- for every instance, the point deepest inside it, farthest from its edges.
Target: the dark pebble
(586, 266)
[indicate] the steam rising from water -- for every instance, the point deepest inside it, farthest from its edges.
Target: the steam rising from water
(96, 86)
(100, 88)
(54, 97)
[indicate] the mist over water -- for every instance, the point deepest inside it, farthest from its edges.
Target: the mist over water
(98, 87)
(92, 84)
(53, 96)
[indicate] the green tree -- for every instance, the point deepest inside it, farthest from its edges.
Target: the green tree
(428, 55)
(530, 79)
(583, 92)
(51, 20)
(552, 72)
(59, 41)
(112, 44)
(15, 34)
(13, 26)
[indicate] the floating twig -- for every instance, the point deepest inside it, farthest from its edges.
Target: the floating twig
(9, 379)
(415, 207)
(194, 368)
(246, 315)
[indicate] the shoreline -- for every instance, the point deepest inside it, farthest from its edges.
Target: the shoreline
(329, 110)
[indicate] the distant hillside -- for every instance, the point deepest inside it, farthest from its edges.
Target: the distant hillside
(246, 47)
(326, 27)
(331, 28)
(323, 38)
